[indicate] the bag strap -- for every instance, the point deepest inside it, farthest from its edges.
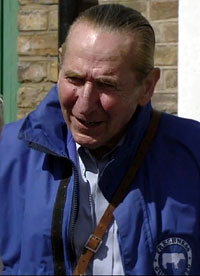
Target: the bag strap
(95, 240)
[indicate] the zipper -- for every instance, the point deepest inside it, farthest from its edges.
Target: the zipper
(74, 212)
(45, 150)
(73, 217)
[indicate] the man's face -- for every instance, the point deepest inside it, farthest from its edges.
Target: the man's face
(98, 90)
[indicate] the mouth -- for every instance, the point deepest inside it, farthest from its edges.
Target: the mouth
(88, 123)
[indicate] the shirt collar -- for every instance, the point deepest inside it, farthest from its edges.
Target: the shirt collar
(81, 151)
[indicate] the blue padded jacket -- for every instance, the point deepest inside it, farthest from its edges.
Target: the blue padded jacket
(158, 221)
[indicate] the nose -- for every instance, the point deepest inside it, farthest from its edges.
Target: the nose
(88, 99)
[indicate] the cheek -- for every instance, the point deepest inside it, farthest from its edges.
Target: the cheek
(115, 105)
(109, 103)
(119, 109)
(67, 94)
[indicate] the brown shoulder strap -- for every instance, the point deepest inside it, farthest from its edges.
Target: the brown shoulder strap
(95, 239)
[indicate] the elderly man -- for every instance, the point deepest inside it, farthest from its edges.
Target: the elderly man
(68, 204)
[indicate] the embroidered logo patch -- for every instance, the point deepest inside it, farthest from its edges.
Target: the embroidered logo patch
(173, 257)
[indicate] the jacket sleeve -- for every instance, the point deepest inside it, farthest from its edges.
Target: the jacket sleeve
(13, 159)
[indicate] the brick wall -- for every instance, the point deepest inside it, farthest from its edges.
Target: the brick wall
(38, 53)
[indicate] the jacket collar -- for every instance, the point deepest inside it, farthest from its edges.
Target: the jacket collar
(45, 127)
(115, 170)
(136, 130)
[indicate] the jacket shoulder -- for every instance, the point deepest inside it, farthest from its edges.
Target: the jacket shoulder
(179, 135)
(185, 130)
(11, 147)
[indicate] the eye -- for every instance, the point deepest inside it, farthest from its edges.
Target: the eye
(106, 85)
(75, 80)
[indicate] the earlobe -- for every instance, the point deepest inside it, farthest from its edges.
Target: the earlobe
(60, 55)
(148, 86)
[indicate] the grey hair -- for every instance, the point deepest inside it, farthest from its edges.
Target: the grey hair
(116, 17)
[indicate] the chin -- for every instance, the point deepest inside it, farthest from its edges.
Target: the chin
(87, 142)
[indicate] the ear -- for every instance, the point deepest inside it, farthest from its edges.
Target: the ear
(148, 86)
(60, 54)
(60, 51)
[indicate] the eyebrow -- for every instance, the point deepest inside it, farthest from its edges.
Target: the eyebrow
(70, 73)
(107, 80)
(101, 79)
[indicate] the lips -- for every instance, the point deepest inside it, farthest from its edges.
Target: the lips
(88, 123)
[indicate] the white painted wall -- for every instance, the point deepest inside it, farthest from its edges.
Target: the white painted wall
(189, 59)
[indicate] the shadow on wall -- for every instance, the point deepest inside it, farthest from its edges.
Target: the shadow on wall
(85, 4)
(68, 11)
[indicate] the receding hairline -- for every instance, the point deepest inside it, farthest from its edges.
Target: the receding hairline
(113, 18)
(135, 25)
(94, 26)
(89, 23)
(128, 33)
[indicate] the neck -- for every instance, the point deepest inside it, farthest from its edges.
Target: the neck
(100, 152)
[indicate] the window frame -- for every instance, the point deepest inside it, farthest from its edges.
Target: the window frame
(9, 59)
